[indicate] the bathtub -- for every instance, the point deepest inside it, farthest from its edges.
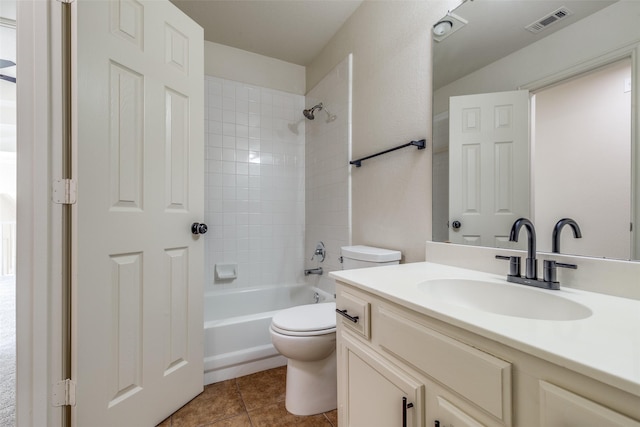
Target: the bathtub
(236, 328)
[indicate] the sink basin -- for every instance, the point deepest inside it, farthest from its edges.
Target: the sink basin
(505, 299)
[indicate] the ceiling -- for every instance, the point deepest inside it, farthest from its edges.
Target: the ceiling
(290, 30)
(496, 29)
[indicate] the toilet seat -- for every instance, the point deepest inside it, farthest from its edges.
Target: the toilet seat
(306, 320)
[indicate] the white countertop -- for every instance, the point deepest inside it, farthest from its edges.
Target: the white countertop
(604, 346)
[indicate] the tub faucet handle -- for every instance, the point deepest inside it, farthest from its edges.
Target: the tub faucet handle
(320, 251)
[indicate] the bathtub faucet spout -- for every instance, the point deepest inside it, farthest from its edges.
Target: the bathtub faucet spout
(317, 271)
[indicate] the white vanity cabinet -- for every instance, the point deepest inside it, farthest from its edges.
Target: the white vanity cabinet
(396, 371)
(394, 360)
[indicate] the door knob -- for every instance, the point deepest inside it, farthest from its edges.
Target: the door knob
(456, 225)
(198, 228)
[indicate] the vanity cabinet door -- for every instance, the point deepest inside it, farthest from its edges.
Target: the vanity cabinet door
(375, 392)
(449, 415)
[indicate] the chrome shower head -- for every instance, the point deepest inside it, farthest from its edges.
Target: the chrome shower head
(308, 113)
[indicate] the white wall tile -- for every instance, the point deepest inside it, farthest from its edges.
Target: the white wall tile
(244, 188)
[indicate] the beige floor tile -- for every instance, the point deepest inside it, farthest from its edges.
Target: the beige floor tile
(277, 415)
(165, 423)
(239, 421)
(217, 402)
(332, 416)
(263, 388)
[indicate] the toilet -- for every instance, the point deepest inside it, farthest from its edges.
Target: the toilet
(306, 336)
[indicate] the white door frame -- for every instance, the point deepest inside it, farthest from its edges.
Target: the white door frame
(39, 228)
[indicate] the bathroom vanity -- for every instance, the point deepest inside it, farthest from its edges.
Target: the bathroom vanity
(412, 351)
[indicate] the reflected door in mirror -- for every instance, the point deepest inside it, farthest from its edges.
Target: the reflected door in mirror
(488, 166)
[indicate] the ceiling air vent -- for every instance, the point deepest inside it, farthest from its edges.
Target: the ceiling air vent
(542, 23)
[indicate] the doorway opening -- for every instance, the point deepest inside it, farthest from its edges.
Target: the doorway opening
(8, 192)
(582, 139)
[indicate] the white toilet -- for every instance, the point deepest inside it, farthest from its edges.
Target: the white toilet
(306, 335)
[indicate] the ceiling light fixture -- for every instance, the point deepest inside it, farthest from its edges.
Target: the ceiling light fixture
(442, 28)
(449, 24)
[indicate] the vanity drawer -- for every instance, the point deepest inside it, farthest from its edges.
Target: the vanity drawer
(562, 407)
(479, 377)
(354, 313)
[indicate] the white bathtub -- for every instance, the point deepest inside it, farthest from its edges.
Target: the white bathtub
(236, 328)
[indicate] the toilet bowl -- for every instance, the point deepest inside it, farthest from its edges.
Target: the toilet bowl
(306, 336)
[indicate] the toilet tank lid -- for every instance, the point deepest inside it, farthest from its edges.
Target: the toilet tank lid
(369, 253)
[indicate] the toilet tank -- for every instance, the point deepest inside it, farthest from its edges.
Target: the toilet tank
(360, 256)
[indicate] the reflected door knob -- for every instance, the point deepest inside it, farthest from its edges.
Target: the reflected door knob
(198, 228)
(456, 225)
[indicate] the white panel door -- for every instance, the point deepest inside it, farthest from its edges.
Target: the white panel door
(137, 320)
(489, 183)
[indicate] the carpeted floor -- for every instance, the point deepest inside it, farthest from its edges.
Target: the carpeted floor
(7, 351)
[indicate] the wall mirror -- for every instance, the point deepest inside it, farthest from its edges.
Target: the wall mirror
(532, 104)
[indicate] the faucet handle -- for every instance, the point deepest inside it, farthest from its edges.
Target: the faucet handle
(320, 251)
(550, 271)
(514, 264)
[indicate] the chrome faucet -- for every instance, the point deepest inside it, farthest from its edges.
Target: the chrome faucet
(317, 271)
(531, 271)
(555, 238)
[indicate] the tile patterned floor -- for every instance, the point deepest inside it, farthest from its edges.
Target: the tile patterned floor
(255, 400)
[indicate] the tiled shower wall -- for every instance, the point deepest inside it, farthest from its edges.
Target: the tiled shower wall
(328, 150)
(254, 188)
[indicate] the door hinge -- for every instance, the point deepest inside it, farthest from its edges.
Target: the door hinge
(64, 191)
(64, 393)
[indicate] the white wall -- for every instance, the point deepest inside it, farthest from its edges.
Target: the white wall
(391, 47)
(582, 134)
(250, 68)
(8, 173)
(8, 126)
(327, 180)
(254, 187)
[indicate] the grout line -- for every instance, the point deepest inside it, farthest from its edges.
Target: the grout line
(327, 418)
(246, 411)
(244, 404)
(250, 419)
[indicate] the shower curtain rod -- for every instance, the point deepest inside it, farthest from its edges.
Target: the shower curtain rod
(420, 144)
